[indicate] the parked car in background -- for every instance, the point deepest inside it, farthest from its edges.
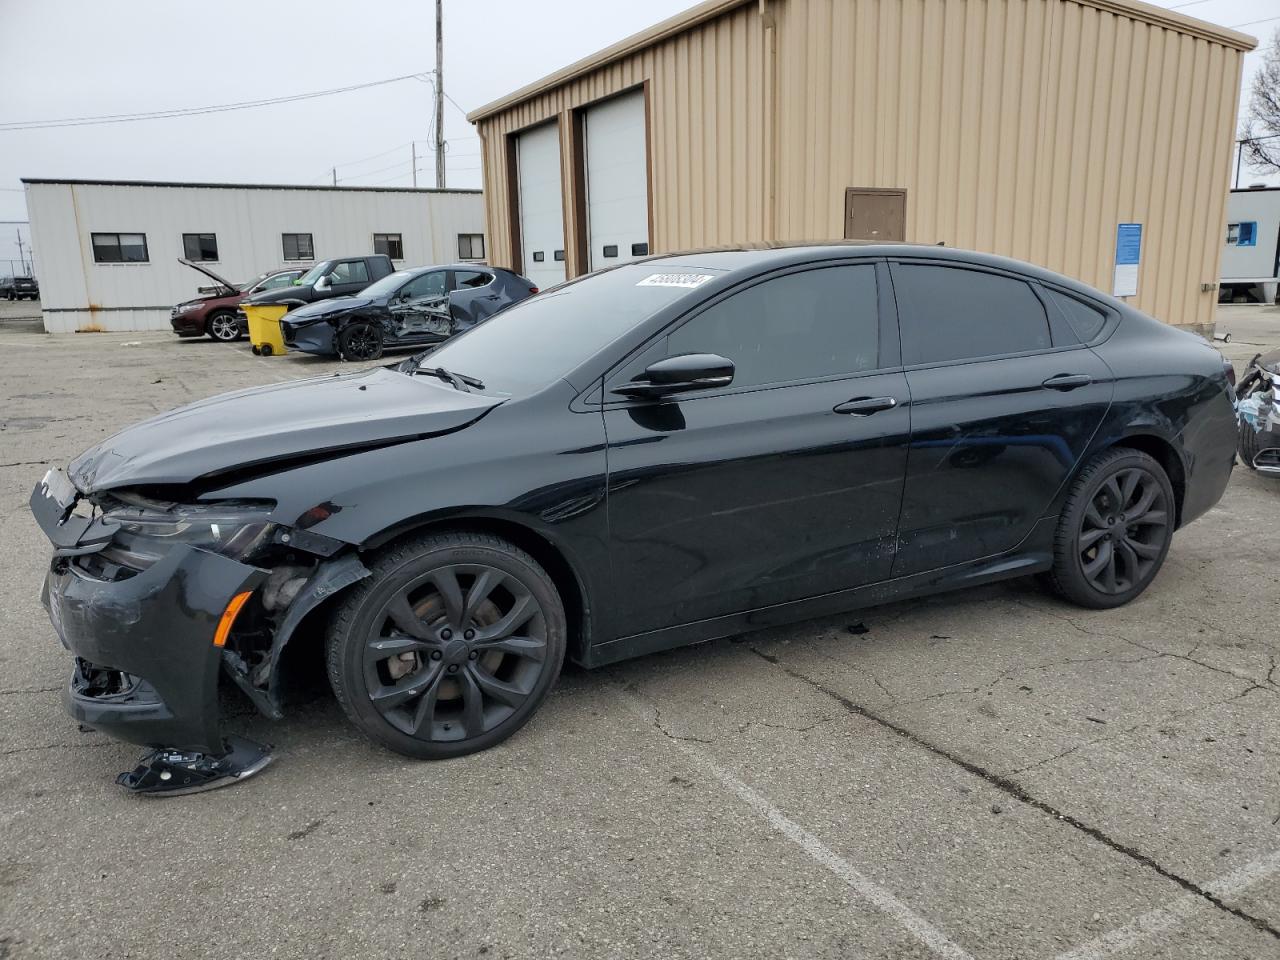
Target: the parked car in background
(19, 288)
(1258, 402)
(652, 455)
(214, 312)
(327, 279)
(409, 308)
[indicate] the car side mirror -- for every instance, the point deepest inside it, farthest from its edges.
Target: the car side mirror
(324, 283)
(680, 374)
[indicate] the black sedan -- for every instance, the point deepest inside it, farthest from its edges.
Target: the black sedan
(409, 308)
(668, 451)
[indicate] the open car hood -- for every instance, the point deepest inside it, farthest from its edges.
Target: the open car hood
(262, 429)
(230, 287)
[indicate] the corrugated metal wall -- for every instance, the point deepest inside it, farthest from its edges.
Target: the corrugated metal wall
(248, 222)
(1029, 128)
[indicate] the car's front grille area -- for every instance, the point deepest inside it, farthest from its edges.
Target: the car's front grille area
(1268, 460)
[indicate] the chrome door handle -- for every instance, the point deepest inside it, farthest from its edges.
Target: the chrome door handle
(1068, 381)
(865, 406)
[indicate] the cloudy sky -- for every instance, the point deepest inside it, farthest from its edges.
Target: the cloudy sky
(87, 58)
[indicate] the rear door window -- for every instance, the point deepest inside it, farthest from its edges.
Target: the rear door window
(952, 313)
(1086, 321)
(800, 326)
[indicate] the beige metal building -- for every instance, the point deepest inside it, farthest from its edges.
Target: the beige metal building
(1030, 128)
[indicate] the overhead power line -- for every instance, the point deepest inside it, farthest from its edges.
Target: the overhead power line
(1251, 23)
(194, 111)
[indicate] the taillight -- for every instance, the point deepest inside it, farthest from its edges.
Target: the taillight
(1230, 371)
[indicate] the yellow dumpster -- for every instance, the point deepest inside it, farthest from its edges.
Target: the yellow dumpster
(264, 327)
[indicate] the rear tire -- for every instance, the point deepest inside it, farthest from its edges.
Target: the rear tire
(1115, 530)
(449, 647)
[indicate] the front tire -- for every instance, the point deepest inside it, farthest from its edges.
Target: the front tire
(1115, 530)
(449, 647)
(360, 341)
(223, 327)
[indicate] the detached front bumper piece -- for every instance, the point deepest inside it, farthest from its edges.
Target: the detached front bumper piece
(144, 641)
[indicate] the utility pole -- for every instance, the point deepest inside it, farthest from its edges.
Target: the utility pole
(21, 257)
(439, 93)
(413, 164)
(335, 176)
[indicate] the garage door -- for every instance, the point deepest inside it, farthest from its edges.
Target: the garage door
(617, 181)
(541, 206)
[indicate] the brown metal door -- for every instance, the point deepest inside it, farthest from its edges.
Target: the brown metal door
(872, 214)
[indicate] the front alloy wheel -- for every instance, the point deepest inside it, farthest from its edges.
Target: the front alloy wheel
(223, 327)
(449, 647)
(360, 341)
(1115, 530)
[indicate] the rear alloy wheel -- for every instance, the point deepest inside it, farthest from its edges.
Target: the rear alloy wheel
(449, 647)
(223, 327)
(1115, 530)
(360, 341)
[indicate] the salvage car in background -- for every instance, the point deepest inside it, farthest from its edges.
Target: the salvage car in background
(652, 455)
(214, 312)
(335, 277)
(409, 308)
(19, 288)
(1258, 401)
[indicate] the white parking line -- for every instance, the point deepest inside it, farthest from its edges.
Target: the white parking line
(1173, 913)
(878, 896)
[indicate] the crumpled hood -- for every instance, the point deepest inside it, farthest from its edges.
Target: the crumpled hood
(324, 308)
(249, 430)
(1270, 362)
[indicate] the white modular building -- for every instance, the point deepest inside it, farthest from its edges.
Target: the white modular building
(107, 252)
(1251, 256)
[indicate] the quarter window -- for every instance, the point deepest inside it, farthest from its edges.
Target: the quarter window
(200, 246)
(389, 244)
(818, 323)
(471, 246)
(949, 313)
(297, 246)
(119, 247)
(463, 279)
(1086, 321)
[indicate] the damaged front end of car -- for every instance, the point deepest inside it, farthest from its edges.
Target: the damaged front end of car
(155, 597)
(1258, 406)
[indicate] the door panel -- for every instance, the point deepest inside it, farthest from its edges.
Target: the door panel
(617, 175)
(990, 447)
(541, 205)
(726, 503)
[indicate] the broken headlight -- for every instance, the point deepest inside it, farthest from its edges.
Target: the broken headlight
(234, 529)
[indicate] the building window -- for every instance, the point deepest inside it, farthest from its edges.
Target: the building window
(297, 246)
(390, 244)
(471, 246)
(200, 246)
(119, 248)
(1242, 234)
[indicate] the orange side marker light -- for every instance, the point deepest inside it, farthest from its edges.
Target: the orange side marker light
(229, 618)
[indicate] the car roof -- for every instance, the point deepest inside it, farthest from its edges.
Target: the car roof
(754, 257)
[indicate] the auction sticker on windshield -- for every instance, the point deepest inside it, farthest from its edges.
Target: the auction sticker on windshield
(689, 280)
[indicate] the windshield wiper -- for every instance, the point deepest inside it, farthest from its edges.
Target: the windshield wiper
(459, 381)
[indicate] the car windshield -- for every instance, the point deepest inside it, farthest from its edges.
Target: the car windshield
(387, 285)
(250, 284)
(538, 341)
(314, 274)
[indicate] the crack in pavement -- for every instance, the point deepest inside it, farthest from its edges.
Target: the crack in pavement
(53, 689)
(1158, 653)
(1017, 792)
